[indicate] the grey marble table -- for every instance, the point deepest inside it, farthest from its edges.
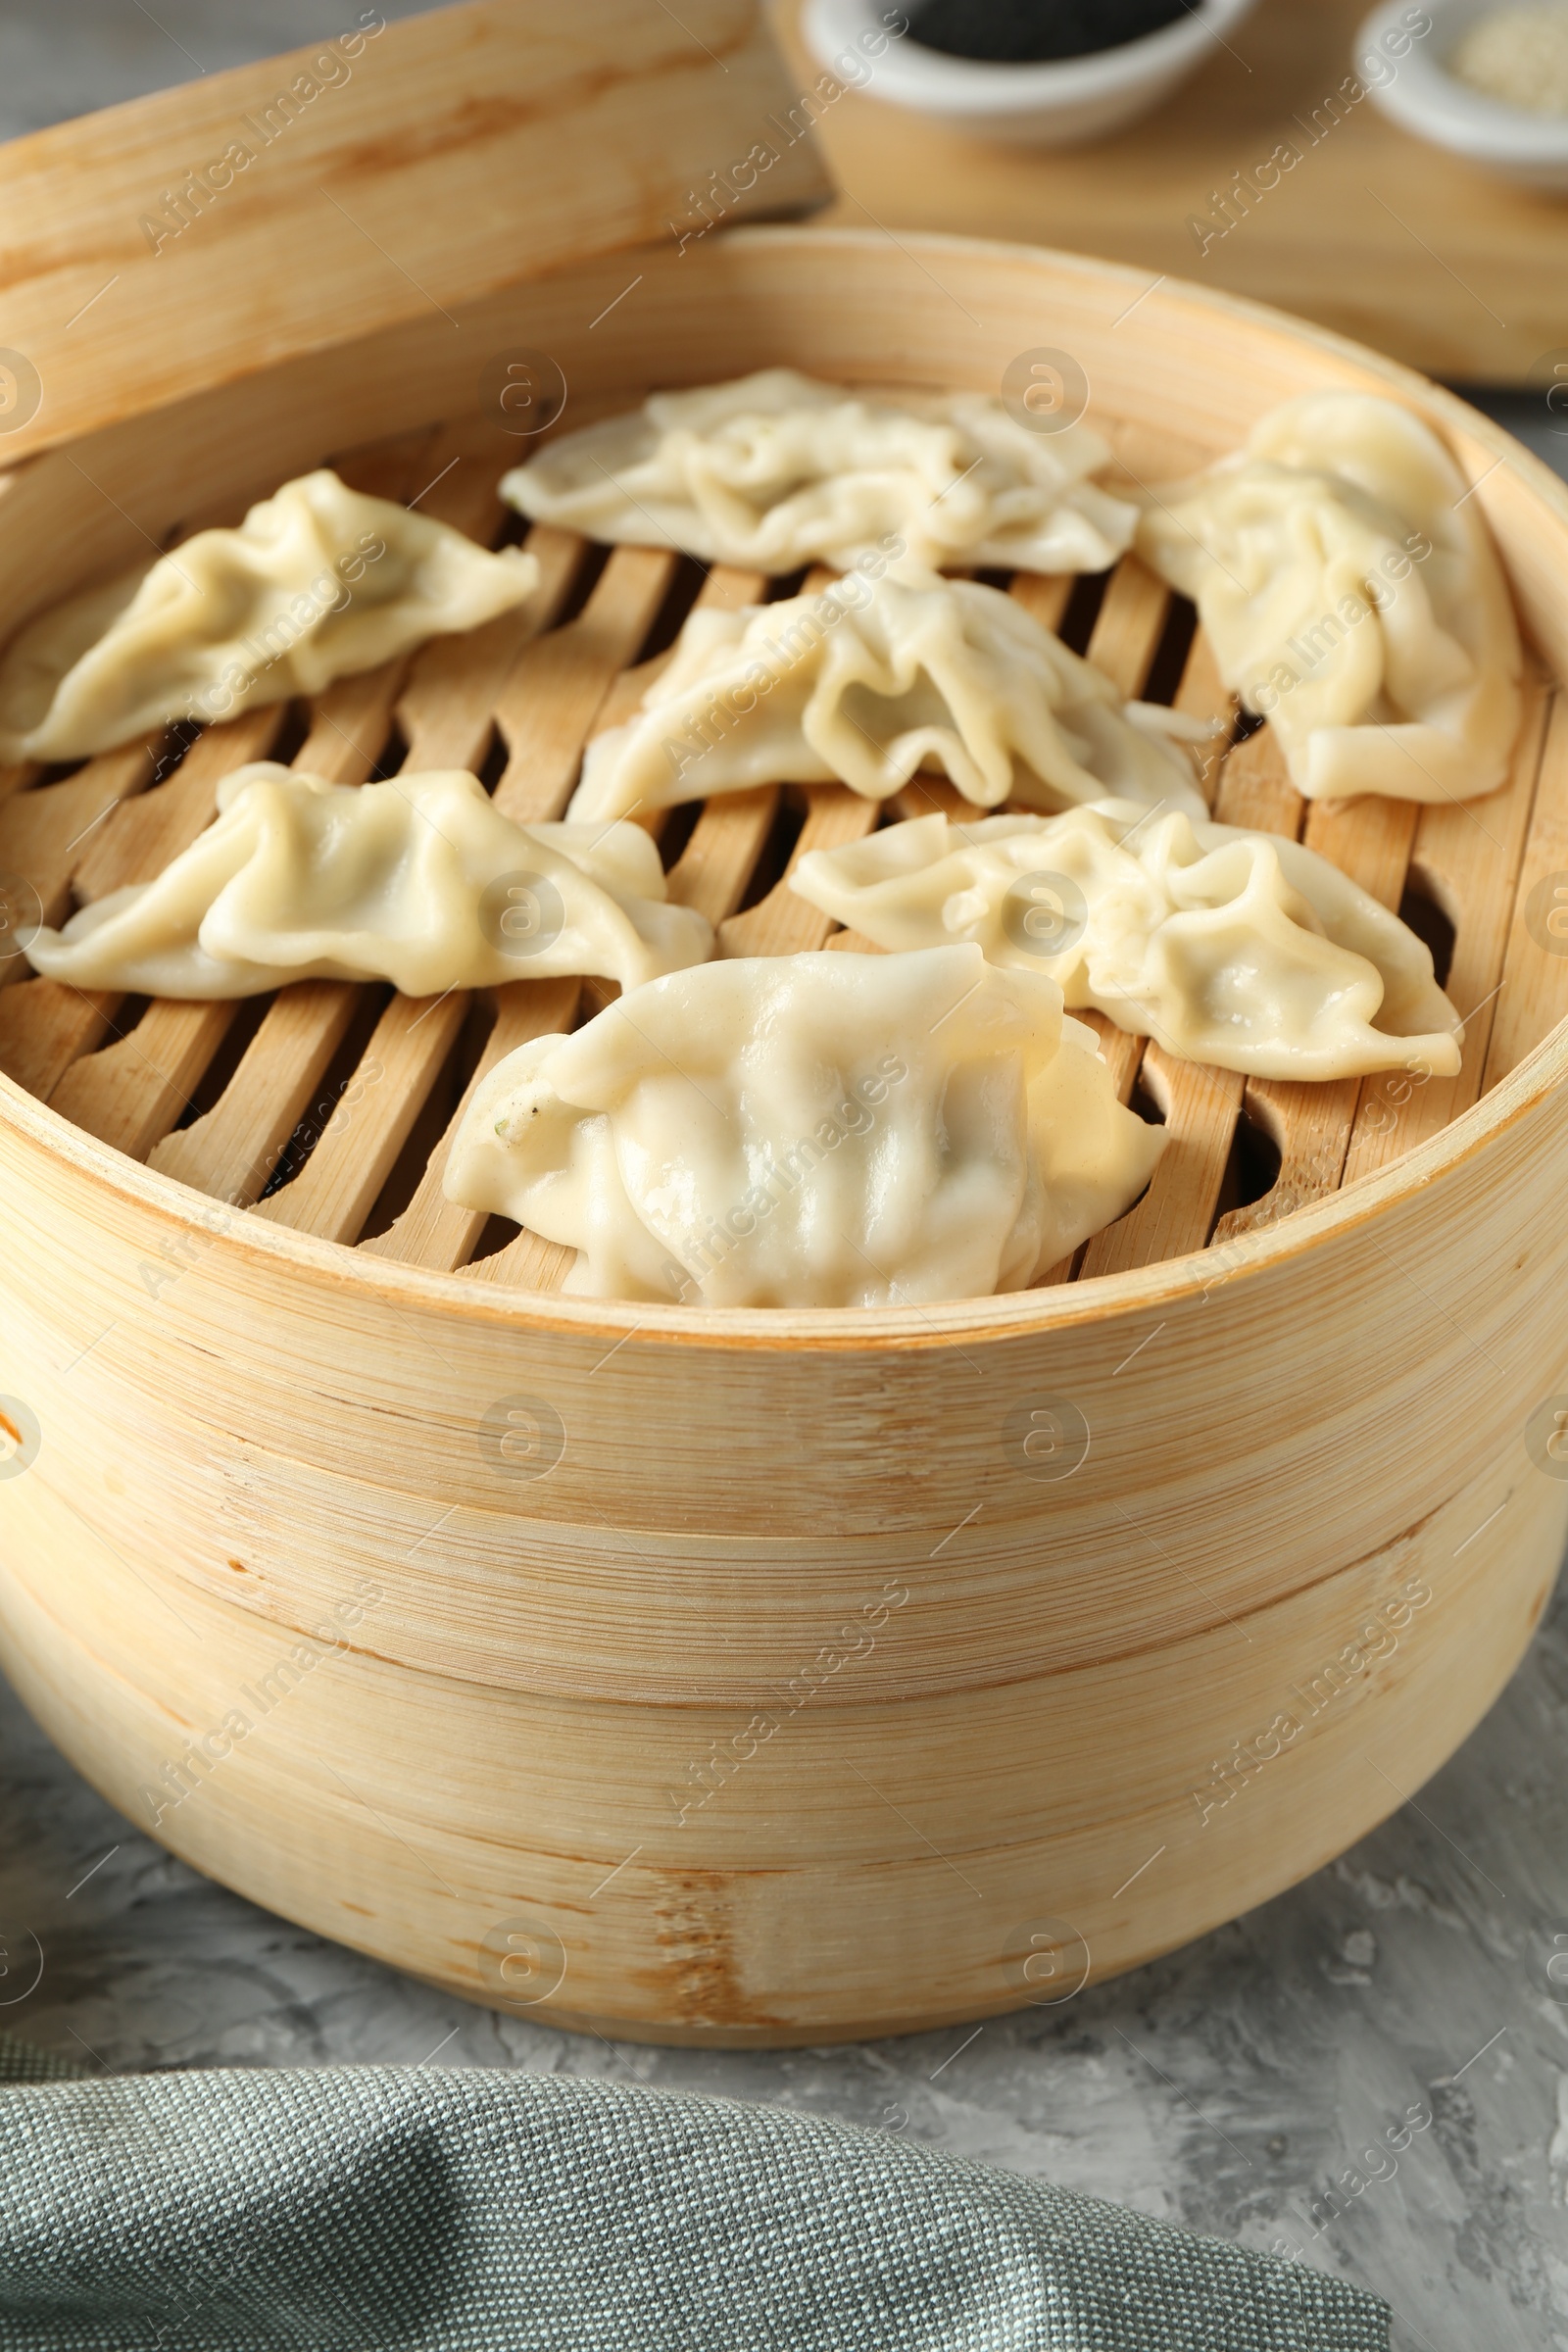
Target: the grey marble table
(1231, 2087)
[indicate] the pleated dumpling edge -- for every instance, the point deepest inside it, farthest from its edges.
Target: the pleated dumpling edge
(887, 671)
(420, 880)
(812, 1130)
(1243, 950)
(1347, 582)
(318, 582)
(776, 469)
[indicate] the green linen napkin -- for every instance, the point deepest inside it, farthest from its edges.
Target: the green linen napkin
(381, 2209)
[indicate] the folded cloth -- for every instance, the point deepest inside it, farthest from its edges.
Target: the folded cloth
(434, 2210)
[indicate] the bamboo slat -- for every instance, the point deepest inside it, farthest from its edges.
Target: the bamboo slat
(1127, 627)
(370, 1119)
(1202, 694)
(130, 1093)
(45, 837)
(1534, 996)
(784, 923)
(1370, 840)
(727, 839)
(1047, 595)
(45, 833)
(231, 1150)
(1200, 1106)
(1466, 855)
(1254, 790)
(527, 1263)
(1309, 1125)
(445, 712)
(41, 1037)
(234, 1147)
(432, 1231)
(547, 707)
(140, 836)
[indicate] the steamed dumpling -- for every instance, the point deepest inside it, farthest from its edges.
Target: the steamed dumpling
(775, 470)
(420, 881)
(318, 583)
(1243, 950)
(1352, 597)
(870, 681)
(825, 1130)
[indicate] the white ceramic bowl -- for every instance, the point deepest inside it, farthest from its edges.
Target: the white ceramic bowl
(1055, 105)
(1425, 98)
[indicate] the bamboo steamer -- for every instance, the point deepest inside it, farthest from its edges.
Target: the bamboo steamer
(758, 1678)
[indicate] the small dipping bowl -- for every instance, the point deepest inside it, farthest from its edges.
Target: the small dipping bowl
(1063, 103)
(1426, 98)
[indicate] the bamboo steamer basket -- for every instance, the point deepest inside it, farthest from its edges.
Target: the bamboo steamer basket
(755, 1678)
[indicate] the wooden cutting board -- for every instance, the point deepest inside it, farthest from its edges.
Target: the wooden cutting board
(1375, 234)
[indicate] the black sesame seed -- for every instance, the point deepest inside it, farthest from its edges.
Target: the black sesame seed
(1034, 32)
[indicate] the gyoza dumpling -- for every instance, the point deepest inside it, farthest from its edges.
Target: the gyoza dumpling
(1352, 597)
(775, 470)
(870, 681)
(810, 1130)
(420, 881)
(1239, 949)
(317, 583)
